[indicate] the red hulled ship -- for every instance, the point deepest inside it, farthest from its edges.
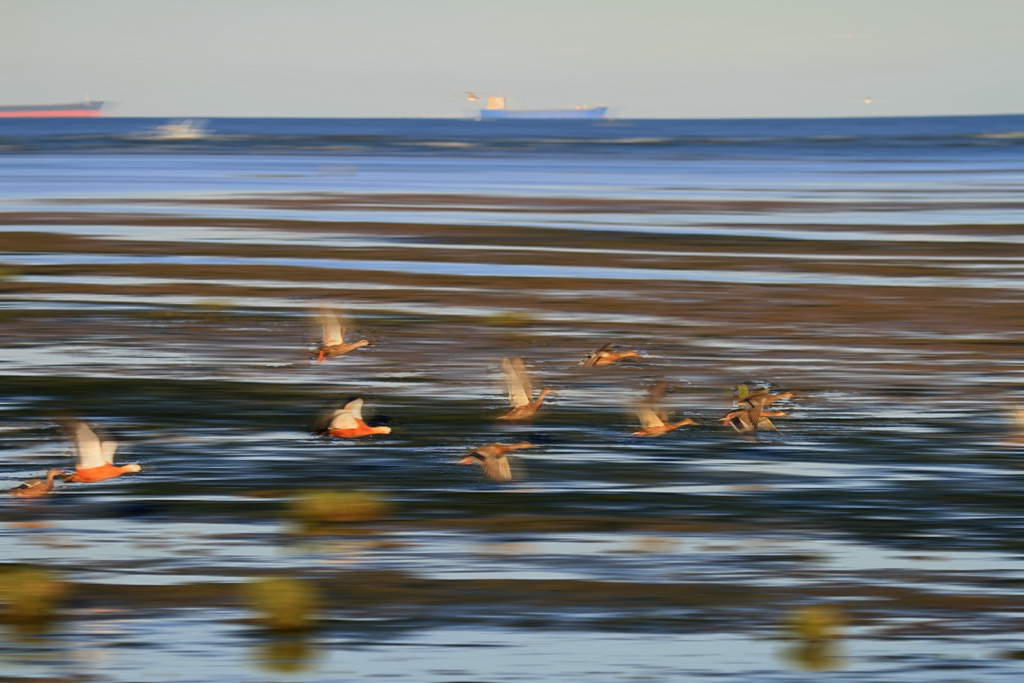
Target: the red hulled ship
(32, 111)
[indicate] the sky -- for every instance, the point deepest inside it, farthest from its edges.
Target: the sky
(411, 58)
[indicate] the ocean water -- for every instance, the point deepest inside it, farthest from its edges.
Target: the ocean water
(165, 290)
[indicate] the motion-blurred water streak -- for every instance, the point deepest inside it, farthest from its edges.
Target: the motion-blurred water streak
(167, 292)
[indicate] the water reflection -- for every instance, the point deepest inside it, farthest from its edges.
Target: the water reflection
(817, 631)
(283, 603)
(292, 654)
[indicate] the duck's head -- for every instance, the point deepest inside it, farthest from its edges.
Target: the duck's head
(134, 467)
(361, 342)
(55, 473)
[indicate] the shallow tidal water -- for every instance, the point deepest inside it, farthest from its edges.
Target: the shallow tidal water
(165, 291)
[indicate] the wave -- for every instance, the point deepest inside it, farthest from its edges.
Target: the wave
(430, 136)
(1008, 135)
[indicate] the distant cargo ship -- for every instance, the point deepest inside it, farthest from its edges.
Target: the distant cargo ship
(31, 111)
(496, 110)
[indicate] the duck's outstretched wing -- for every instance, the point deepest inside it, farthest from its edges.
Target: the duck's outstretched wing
(524, 378)
(596, 355)
(355, 407)
(648, 417)
(342, 419)
(89, 448)
(754, 415)
(763, 398)
(481, 452)
(657, 393)
(650, 411)
(520, 393)
(743, 420)
(496, 468)
(749, 399)
(332, 333)
(349, 416)
(109, 448)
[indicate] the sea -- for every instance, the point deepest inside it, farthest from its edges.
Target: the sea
(168, 289)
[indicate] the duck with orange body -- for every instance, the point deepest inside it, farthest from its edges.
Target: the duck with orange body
(36, 488)
(492, 460)
(332, 338)
(606, 356)
(520, 391)
(95, 458)
(347, 422)
(653, 420)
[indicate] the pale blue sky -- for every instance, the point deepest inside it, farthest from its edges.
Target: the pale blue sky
(644, 58)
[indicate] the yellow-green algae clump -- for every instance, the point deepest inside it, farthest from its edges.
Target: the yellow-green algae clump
(332, 507)
(282, 603)
(29, 594)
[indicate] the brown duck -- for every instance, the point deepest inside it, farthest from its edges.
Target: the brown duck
(654, 421)
(36, 488)
(520, 391)
(747, 421)
(332, 338)
(760, 398)
(492, 460)
(606, 356)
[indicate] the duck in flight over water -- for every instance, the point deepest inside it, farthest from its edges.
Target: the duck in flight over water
(760, 398)
(520, 391)
(35, 488)
(347, 422)
(492, 460)
(654, 421)
(750, 414)
(332, 340)
(747, 421)
(605, 356)
(95, 457)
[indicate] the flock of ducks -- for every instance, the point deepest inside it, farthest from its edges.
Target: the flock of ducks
(95, 461)
(746, 419)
